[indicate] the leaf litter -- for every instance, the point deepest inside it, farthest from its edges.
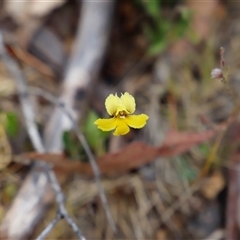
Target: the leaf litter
(147, 195)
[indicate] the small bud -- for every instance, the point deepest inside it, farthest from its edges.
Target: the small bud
(217, 73)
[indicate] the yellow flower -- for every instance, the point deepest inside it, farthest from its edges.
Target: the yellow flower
(120, 109)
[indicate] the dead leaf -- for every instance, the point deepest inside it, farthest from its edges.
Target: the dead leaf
(213, 185)
(27, 58)
(130, 157)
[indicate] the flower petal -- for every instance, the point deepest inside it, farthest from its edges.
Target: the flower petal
(136, 121)
(111, 104)
(106, 124)
(122, 127)
(129, 102)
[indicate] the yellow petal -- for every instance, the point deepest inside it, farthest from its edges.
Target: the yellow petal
(136, 121)
(106, 124)
(122, 127)
(111, 104)
(129, 102)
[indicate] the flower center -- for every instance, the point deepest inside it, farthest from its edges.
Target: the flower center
(122, 114)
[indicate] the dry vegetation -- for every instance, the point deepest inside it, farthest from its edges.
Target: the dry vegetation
(175, 179)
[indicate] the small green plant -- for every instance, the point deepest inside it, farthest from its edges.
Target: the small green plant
(162, 31)
(71, 145)
(10, 122)
(95, 137)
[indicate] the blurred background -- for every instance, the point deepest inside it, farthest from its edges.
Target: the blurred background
(186, 184)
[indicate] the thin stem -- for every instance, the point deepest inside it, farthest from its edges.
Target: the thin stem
(60, 198)
(49, 227)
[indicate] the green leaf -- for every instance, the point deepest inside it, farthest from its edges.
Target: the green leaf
(94, 136)
(157, 48)
(11, 124)
(162, 31)
(71, 145)
(67, 140)
(153, 8)
(204, 149)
